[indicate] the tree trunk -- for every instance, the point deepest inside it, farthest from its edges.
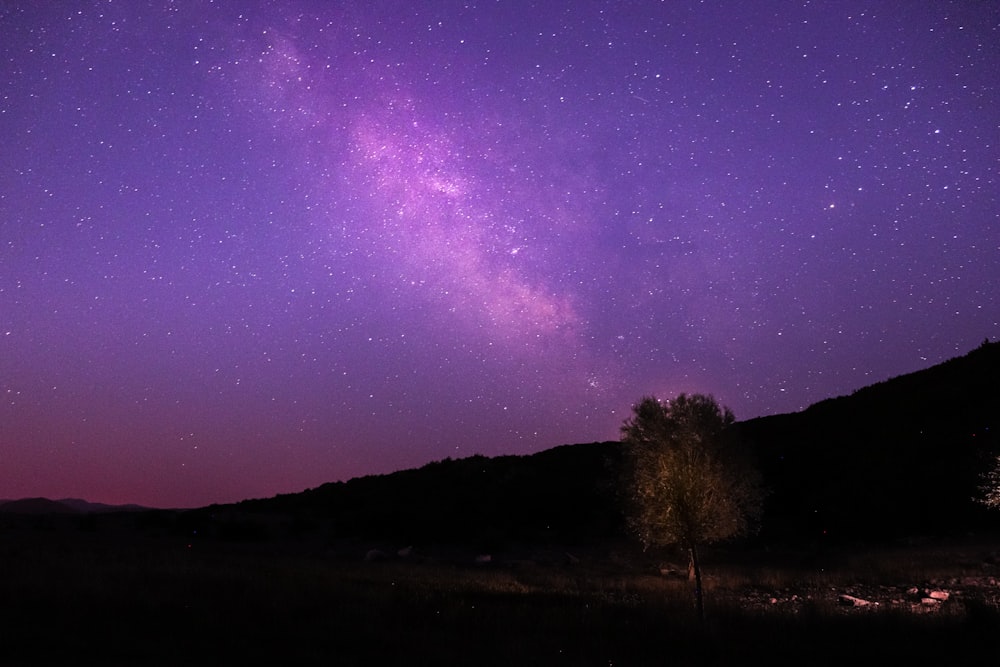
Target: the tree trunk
(699, 599)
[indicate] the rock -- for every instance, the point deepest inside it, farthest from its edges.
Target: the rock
(405, 552)
(483, 559)
(941, 596)
(673, 573)
(851, 601)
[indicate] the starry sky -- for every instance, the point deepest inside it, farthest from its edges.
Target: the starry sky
(248, 248)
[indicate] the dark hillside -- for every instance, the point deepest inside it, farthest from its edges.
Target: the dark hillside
(564, 495)
(901, 457)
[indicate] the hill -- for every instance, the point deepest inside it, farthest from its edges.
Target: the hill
(62, 506)
(898, 458)
(87, 507)
(901, 457)
(35, 506)
(565, 495)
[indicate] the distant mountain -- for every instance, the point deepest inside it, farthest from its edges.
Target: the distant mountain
(62, 506)
(36, 506)
(87, 507)
(899, 458)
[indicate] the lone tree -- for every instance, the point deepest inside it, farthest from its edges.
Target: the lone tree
(688, 482)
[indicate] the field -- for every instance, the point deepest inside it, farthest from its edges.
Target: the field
(75, 593)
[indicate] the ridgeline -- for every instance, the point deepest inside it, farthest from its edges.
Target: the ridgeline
(900, 458)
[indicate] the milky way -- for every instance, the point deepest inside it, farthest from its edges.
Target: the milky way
(248, 248)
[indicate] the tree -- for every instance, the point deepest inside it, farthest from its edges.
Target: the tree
(688, 481)
(990, 487)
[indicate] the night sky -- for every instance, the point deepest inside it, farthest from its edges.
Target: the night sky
(247, 248)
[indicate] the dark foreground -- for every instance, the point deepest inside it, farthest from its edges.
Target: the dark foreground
(84, 594)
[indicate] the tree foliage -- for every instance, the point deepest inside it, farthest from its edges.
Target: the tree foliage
(990, 488)
(689, 482)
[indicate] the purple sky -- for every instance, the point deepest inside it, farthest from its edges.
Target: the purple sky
(249, 248)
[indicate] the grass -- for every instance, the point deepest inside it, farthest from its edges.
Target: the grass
(72, 598)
